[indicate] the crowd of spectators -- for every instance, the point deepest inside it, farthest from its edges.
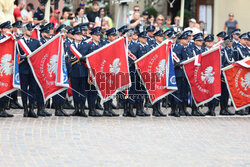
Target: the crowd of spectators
(98, 17)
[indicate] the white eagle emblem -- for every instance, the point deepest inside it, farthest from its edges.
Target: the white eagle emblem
(160, 70)
(52, 65)
(6, 65)
(208, 76)
(115, 68)
(245, 82)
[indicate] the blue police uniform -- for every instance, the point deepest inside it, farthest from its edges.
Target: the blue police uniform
(178, 105)
(79, 78)
(193, 50)
(157, 106)
(141, 49)
(4, 100)
(108, 104)
(229, 55)
(26, 76)
(242, 51)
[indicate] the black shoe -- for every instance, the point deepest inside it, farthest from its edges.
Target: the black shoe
(106, 111)
(164, 102)
(93, 112)
(125, 110)
(26, 111)
(31, 113)
(196, 112)
(241, 112)
(177, 113)
(139, 111)
(119, 103)
(224, 111)
(47, 114)
(181, 110)
(40, 112)
(184, 107)
(211, 108)
(15, 105)
(76, 111)
(98, 104)
(130, 110)
(159, 110)
(81, 111)
(147, 102)
(58, 110)
(172, 112)
(111, 110)
(68, 105)
(155, 111)
(3, 112)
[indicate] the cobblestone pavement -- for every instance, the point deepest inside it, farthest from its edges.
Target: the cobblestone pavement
(74, 141)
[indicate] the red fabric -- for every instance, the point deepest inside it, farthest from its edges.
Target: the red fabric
(35, 34)
(205, 80)
(110, 68)
(237, 80)
(53, 20)
(69, 91)
(44, 65)
(17, 13)
(150, 68)
(7, 63)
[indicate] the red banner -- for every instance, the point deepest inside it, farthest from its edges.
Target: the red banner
(44, 63)
(35, 34)
(152, 71)
(237, 77)
(204, 80)
(109, 69)
(7, 48)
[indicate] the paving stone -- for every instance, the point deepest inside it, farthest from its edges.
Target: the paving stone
(170, 141)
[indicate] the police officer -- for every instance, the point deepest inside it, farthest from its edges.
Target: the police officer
(18, 34)
(242, 52)
(142, 49)
(236, 37)
(193, 50)
(182, 93)
(176, 100)
(6, 28)
(229, 56)
(26, 77)
(209, 43)
(16, 30)
(92, 93)
(58, 100)
(121, 29)
(129, 100)
(111, 36)
(45, 36)
(150, 39)
(221, 35)
(242, 48)
(68, 41)
(84, 27)
(79, 73)
(157, 106)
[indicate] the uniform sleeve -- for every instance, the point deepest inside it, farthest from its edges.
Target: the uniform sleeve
(35, 16)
